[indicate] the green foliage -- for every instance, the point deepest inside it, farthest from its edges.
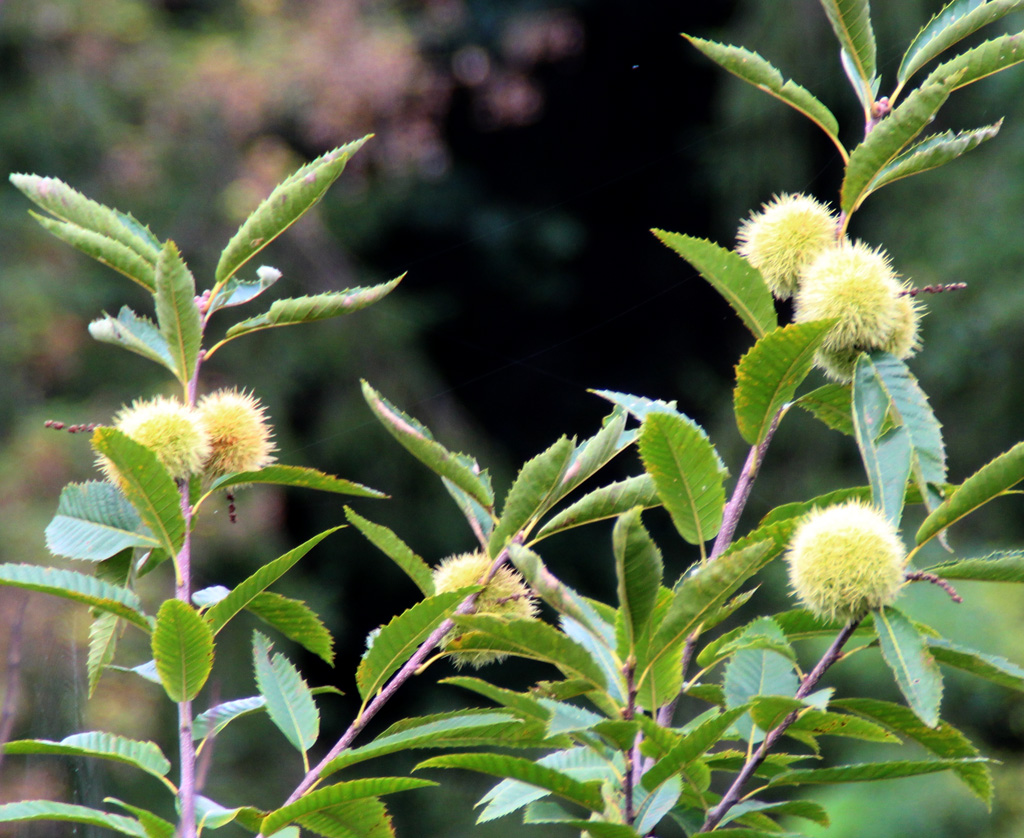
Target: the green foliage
(601, 726)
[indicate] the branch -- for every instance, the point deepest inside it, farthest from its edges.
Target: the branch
(810, 681)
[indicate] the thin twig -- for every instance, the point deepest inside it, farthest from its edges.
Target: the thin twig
(923, 576)
(810, 681)
(934, 289)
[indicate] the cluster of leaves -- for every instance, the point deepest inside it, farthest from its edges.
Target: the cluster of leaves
(615, 761)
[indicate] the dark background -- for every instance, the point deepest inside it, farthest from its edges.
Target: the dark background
(524, 150)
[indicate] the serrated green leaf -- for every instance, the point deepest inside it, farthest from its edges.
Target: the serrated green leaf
(1003, 566)
(755, 70)
(942, 740)
(851, 21)
(827, 723)
(932, 152)
(145, 756)
(296, 621)
(525, 706)
(298, 477)
(952, 24)
(887, 455)
(183, 650)
(294, 310)
(805, 809)
(693, 746)
(219, 614)
(70, 584)
(401, 637)
(639, 568)
(462, 728)
(984, 60)
(176, 311)
(147, 485)
(657, 804)
(530, 639)
(594, 453)
(831, 404)
(990, 667)
(604, 503)
(48, 810)
(365, 817)
(289, 700)
(768, 375)
(906, 652)
(534, 490)
(990, 481)
(702, 591)
(638, 406)
(94, 521)
(418, 441)
(688, 473)
(586, 794)
(103, 634)
(731, 275)
(599, 643)
(788, 511)
(395, 549)
(324, 799)
(887, 139)
(288, 202)
(213, 721)
(867, 771)
(152, 825)
(760, 633)
(478, 516)
(755, 672)
(546, 811)
(136, 334)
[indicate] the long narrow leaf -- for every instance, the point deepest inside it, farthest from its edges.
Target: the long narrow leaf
(298, 477)
(176, 311)
(48, 810)
(687, 472)
(731, 275)
(639, 569)
(289, 700)
(145, 756)
(981, 62)
(932, 152)
(755, 70)
(906, 652)
(604, 503)
(213, 721)
(989, 482)
(296, 621)
(1007, 566)
(183, 650)
(868, 772)
(395, 549)
(851, 21)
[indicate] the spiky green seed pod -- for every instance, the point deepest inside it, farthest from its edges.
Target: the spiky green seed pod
(168, 428)
(506, 595)
(783, 237)
(856, 285)
(845, 560)
(239, 432)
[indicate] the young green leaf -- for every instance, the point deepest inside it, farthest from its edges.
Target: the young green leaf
(399, 639)
(755, 70)
(103, 635)
(145, 756)
(980, 62)
(289, 700)
(887, 139)
(731, 275)
(602, 504)
(79, 587)
(990, 481)
(463, 471)
(147, 485)
(831, 404)
(768, 375)
(942, 740)
(990, 667)
(48, 810)
(395, 549)
(956, 20)
(639, 569)
(851, 21)
(906, 652)
(704, 589)
(243, 593)
(594, 453)
(135, 333)
(213, 721)
(1005, 566)
(236, 292)
(687, 472)
(183, 650)
(324, 799)
(886, 455)
(586, 794)
(176, 311)
(534, 490)
(298, 477)
(94, 521)
(932, 152)
(296, 621)
(288, 202)
(292, 311)
(153, 825)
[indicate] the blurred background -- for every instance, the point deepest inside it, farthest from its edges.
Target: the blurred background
(523, 151)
